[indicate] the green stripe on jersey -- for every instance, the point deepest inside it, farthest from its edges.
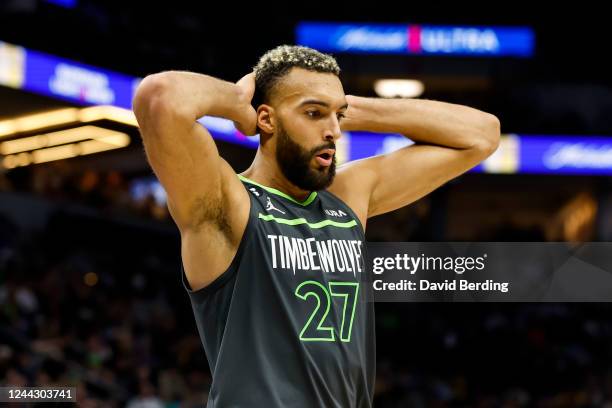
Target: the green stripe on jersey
(301, 221)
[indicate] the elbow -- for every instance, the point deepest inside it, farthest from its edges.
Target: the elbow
(489, 135)
(150, 90)
(155, 98)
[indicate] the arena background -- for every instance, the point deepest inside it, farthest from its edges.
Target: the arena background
(90, 292)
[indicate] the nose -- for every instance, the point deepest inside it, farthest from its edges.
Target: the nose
(333, 133)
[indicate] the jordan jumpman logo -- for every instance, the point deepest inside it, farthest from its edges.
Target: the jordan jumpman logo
(270, 206)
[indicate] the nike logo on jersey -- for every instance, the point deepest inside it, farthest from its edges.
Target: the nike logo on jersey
(270, 206)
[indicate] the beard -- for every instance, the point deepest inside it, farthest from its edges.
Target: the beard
(294, 162)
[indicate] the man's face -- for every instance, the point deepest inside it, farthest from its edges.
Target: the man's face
(297, 164)
(309, 107)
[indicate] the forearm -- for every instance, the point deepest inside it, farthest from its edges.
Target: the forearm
(423, 121)
(194, 95)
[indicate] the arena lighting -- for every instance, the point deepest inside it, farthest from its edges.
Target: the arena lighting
(108, 112)
(37, 121)
(61, 137)
(82, 141)
(66, 116)
(64, 3)
(404, 88)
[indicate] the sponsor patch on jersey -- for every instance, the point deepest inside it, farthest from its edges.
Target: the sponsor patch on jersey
(335, 213)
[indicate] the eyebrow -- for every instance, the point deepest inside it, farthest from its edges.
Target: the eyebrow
(321, 103)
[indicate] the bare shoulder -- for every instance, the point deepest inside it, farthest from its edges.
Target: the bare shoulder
(208, 247)
(353, 184)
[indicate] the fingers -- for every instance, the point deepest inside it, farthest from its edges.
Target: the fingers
(248, 125)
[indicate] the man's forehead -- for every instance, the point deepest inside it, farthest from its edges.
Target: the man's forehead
(302, 85)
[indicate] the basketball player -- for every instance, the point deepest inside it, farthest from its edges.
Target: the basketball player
(273, 257)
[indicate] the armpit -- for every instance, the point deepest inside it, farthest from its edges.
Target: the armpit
(209, 211)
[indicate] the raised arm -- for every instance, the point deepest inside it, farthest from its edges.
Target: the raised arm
(449, 140)
(205, 198)
(180, 150)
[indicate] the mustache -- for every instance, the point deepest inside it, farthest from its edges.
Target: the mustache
(329, 145)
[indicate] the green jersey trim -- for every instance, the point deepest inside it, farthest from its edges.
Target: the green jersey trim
(302, 221)
(304, 203)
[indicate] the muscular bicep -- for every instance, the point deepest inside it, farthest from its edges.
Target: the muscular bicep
(182, 155)
(412, 172)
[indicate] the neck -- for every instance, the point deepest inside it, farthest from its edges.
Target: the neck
(265, 170)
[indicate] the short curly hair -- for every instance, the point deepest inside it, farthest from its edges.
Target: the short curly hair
(277, 63)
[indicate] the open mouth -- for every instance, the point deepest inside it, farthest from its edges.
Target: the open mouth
(325, 157)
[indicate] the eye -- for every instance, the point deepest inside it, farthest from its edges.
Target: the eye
(313, 113)
(341, 116)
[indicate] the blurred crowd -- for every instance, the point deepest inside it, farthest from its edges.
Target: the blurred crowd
(115, 325)
(105, 312)
(494, 355)
(104, 190)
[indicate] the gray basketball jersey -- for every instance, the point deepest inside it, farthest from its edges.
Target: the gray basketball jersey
(290, 323)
